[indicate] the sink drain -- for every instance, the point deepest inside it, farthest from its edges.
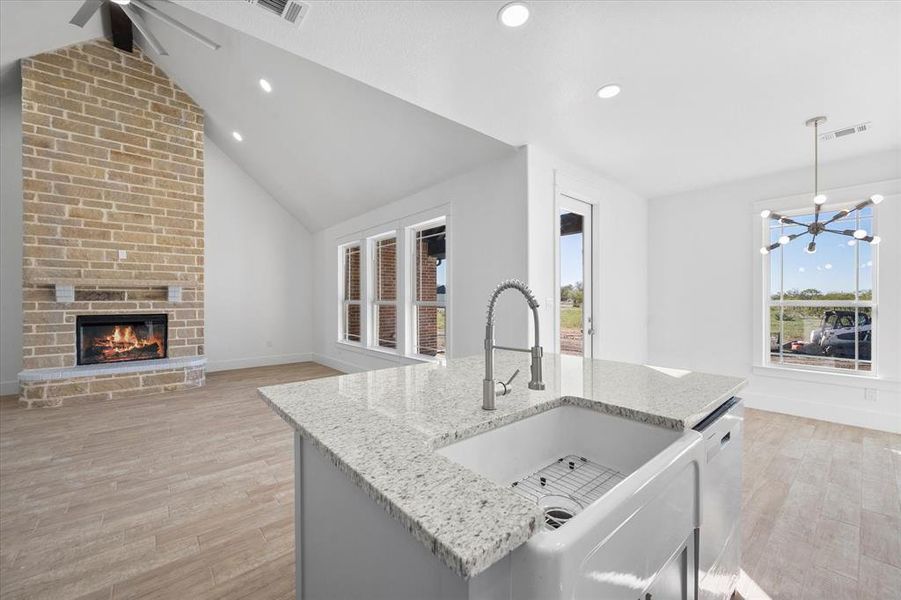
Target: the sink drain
(556, 517)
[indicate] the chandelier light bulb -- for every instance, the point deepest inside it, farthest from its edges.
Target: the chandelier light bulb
(860, 233)
(811, 248)
(785, 239)
(819, 199)
(877, 198)
(764, 250)
(765, 213)
(876, 239)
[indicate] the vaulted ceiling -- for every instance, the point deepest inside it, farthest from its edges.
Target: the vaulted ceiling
(324, 145)
(712, 91)
(374, 100)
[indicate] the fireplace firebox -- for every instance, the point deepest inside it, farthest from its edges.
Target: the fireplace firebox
(102, 339)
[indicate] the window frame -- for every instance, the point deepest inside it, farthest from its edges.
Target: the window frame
(793, 208)
(374, 302)
(344, 301)
(413, 304)
(402, 230)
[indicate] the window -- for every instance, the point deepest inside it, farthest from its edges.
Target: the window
(350, 318)
(821, 306)
(430, 289)
(384, 304)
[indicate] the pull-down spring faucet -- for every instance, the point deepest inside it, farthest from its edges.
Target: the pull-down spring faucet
(489, 385)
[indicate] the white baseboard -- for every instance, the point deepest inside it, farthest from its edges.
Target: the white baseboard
(845, 415)
(8, 388)
(256, 361)
(334, 363)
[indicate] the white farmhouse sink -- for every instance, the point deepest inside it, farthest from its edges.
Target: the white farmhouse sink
(636, 500)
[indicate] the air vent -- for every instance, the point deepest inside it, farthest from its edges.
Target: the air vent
(289, 10)
(845, 131)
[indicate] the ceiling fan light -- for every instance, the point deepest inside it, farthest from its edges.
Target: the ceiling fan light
(765, 213)
(819, 199)
(860, 233)
(877, 198)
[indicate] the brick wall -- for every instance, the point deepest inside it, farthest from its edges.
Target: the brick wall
(112, 160)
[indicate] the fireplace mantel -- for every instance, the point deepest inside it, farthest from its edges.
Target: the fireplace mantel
(65, 288)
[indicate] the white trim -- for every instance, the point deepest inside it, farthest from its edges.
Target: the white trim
(231, 364)
(9, 388)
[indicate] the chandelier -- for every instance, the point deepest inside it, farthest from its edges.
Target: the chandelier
(820, 227)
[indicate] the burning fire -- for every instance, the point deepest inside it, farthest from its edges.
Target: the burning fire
(124, 341)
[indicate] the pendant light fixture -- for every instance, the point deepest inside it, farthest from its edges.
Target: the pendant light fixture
(820, 227)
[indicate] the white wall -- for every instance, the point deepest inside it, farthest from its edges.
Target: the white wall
(10, 240)
(620, 241)
(702, 255)
(487, 243)
(258, 269)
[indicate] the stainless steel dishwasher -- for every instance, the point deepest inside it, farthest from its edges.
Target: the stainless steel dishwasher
(719, 543)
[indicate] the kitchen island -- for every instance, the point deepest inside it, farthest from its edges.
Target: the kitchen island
(370, 445)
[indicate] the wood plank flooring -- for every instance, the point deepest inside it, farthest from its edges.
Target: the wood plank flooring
(190, 495)
(184, 495)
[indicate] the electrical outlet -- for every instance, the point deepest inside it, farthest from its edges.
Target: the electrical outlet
(870, 394)
(123, 254)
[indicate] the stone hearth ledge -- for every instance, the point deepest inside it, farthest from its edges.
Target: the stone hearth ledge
(382, 428)
(138, 366)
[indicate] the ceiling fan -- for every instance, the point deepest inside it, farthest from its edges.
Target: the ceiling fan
(123, 16)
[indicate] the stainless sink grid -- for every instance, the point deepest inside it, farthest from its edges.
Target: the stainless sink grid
(566, 486)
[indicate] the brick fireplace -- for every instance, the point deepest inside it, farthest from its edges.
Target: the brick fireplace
(113, 227)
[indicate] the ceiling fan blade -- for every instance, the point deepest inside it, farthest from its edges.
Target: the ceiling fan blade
(153, 11)
(85, 13)
(141, 26)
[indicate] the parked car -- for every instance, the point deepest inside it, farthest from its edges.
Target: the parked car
(836, 334)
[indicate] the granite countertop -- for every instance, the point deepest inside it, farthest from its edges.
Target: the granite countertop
(382, 427)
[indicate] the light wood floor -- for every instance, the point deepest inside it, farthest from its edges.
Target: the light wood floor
(189, 495)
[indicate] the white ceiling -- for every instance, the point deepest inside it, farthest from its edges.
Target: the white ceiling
(326, 146)
(712, 91)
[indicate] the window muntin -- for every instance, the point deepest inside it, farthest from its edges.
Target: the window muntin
(384, 302)
(820, 306)
(430, 262)
(351, 322)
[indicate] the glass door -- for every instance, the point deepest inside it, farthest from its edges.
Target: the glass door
(575, 329)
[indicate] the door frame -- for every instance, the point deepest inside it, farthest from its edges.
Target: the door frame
(570, 188)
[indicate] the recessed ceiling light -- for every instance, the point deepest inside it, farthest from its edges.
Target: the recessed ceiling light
(237, 136)
(514, 14)
(267, 87)
(609, 91)
(122, 2)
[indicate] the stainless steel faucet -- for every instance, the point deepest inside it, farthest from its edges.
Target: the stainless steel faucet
(489, 385)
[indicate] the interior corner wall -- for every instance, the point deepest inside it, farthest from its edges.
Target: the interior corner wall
(487, 243)
(258, 272)
(620, 241)
(701, 302)
(10, 239)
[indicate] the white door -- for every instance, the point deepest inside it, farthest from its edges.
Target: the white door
(574, 319)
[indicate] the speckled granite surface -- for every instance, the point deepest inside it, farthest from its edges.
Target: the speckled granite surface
(381, 429)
